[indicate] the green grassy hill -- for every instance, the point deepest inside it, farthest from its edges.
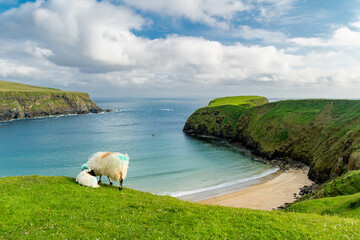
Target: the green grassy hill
(244, 101)
(339, 197)
(12, 86)
(344, 206)
(324, 134)
(25, 101)
(220, 116)
(347, 184)
(34, 207)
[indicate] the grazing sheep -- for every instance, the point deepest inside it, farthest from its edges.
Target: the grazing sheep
(87, 178)
(111, 164)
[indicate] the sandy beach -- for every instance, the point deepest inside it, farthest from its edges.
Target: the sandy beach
(265, 196)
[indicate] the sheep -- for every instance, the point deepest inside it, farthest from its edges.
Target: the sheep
(87, 178)
(111, 164)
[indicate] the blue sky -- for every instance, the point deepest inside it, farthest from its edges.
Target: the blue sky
(184, 48)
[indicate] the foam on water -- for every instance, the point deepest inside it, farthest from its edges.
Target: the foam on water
(223, 185)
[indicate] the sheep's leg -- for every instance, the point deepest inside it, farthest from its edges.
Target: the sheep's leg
(110, 181)
(121, 181)
(100, 179)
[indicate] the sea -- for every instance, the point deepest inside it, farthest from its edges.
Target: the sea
(163, 160)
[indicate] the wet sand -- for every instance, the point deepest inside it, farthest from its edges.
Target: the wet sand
(265, 196)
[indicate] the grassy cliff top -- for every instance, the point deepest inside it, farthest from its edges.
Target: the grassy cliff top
(12, 86)
(18, 90)
(35, 207)
(244, 101)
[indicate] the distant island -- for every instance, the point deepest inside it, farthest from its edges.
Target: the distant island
(18, 101)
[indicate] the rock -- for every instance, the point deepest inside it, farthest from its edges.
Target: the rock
(287, 163)
(308, 189)
(282, 206)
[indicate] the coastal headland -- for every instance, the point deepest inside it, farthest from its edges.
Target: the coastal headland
(323, 134)
(320, 133)
(18, 101)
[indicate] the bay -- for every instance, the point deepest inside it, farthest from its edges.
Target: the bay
(163, 160)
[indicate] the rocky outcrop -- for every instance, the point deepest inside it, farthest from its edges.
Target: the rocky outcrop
(18, 105)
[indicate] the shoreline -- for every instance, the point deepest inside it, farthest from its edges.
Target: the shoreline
(225, 188)
(55, 116)
(267, 195)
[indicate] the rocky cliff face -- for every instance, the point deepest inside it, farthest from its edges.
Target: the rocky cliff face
(17, 105)
(324, 134)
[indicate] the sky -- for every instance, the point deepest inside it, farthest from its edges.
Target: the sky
(184, 48)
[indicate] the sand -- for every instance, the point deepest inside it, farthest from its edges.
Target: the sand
(268, 195)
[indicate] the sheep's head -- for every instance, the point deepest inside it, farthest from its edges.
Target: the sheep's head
(85, 167)
(92, 173)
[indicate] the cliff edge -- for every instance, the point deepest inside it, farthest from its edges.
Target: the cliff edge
(19, 101)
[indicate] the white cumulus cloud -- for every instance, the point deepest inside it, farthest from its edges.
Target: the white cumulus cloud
(341, 37)
(91, 46)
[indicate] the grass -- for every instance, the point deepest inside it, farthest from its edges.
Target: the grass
(11, 90)
(244, 101)
(344, 206)
(35, 207)
(12, 86)
(340, 197)
(220, 116)
(20, 101)
(222, 120)
(322, 133)
(347, 184)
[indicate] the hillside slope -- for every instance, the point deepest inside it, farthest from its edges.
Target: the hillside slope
(324, 134)
(339, 197)
(24, 101)
(35, 207)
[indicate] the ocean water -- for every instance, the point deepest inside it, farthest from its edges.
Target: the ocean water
(163, 160)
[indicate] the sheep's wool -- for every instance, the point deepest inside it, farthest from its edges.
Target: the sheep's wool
(112, 164)
(87, 180)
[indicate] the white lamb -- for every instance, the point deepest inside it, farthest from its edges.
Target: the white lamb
(87, 178)
(111, 164)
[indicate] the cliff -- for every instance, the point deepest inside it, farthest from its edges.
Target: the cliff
(324, 134)
(24, 101)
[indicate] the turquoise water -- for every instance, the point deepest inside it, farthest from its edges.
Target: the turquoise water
(167, 163)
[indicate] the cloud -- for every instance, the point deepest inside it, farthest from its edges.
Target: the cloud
(90, 45)
(341, 37)
(355, 24)
(96, 38)
(218, 13)
(211, 12)
(9, 69)
(249, 33)
(270, 10)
